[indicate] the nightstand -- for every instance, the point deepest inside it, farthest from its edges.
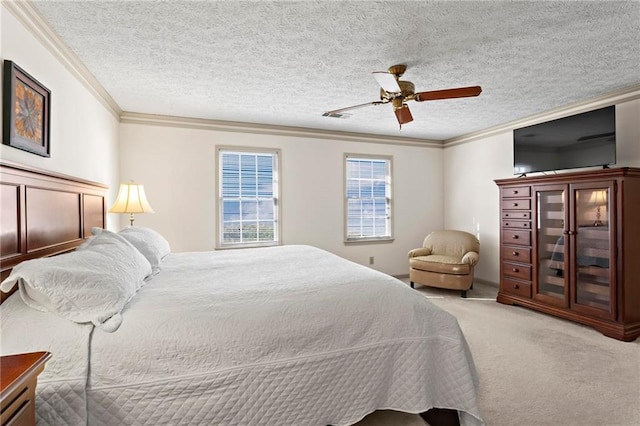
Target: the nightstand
(18, 378)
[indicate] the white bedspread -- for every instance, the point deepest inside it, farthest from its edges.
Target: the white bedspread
(60, 395)
(287, 335)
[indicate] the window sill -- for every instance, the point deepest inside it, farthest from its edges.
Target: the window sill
(244, 246)
(369, 241)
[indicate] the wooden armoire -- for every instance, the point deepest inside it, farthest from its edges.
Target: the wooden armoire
(570, 247)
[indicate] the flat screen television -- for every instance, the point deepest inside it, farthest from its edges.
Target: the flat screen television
(582, 140)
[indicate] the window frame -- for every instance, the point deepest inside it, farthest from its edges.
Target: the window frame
(388, 195)
(276, 179)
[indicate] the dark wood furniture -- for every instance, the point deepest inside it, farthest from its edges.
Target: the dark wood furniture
(18, 379)
(569, 247)
(44, 213)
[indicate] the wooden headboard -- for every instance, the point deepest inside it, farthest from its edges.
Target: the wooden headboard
(44, 213)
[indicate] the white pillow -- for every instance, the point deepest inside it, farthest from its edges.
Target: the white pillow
(150, 243)
(89, 285)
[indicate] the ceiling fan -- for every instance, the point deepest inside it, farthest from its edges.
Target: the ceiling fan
(399, 92)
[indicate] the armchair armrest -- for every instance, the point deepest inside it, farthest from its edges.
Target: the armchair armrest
(471, 258)
(422, 251)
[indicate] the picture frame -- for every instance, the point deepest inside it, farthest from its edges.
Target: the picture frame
(26, 107)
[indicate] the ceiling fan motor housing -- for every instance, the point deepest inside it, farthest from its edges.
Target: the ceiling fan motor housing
(407, 90)
(407, 87)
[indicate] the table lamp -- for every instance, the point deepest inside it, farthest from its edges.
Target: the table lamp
(131, 199)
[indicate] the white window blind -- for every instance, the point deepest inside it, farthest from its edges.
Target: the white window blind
(368, 198)
(248, 198)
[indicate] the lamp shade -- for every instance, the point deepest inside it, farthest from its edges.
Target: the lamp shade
(131, 199)
(598, 198)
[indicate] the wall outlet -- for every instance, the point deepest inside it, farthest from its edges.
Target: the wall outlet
(371, 260)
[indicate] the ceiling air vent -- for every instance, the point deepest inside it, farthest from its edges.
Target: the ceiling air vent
(336, 115)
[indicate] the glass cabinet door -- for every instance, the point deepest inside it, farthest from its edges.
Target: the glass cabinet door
(552, 249)
(593, 273)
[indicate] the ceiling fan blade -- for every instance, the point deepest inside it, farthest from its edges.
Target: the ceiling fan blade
(403, 114)
(337, 111)
(461, 92)
(387, 81)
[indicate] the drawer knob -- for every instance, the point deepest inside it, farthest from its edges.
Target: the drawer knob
(515, 192)
(515, 237)
(515, 253)
(506, 224)
(515, 204)
(515, 270)
(516, 286)
(506, 215)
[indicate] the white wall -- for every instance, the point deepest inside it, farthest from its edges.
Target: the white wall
(177, 167)
(84, 134)
(628, 134)
(471, 196)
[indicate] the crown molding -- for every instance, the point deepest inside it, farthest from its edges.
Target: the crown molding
(623, 95)
(265, 129)
(24, 12)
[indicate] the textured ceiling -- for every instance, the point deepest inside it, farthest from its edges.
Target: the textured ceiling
(285, 63)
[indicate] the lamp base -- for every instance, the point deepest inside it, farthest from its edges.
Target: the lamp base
(598, 222)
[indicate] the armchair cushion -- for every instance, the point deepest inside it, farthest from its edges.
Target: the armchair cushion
(440, 264)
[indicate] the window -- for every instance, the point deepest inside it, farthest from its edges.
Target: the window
(247, 197)
(368, 198)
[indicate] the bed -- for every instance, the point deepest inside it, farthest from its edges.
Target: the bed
(287, 335)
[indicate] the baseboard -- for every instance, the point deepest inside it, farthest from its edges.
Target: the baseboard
(401, 276)
(486, 282)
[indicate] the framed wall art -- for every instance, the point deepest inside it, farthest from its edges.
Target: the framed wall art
(26, 107)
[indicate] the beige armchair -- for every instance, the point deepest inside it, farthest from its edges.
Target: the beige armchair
(446, 260)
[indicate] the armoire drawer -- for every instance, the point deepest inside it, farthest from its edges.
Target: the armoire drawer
(516, 237)
(516, 215)
(514, 270)
(518, 288)
(516, 224)
(516, 204)
(516, 191)
(516, 254)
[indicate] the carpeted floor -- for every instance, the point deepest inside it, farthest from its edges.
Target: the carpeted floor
(536, 369)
